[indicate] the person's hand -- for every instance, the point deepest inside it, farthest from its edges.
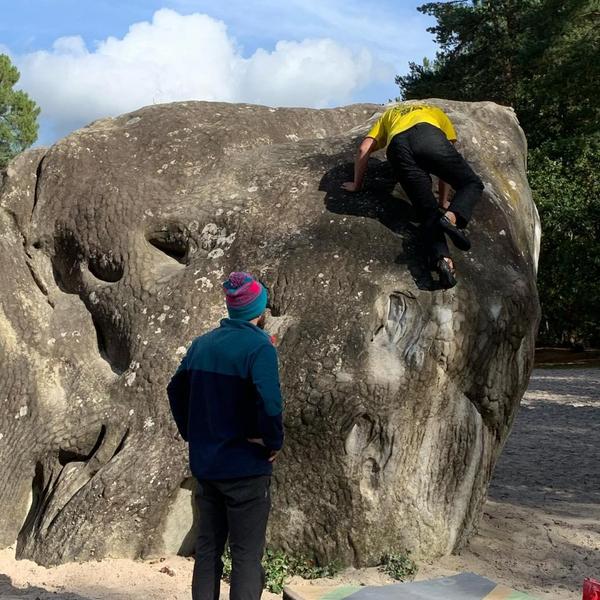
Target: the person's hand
(258, 441)
(350, 186)
(272, 453)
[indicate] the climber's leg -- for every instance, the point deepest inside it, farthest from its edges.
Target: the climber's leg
(417, 184)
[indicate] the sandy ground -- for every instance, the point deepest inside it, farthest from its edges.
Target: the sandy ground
(540, 532)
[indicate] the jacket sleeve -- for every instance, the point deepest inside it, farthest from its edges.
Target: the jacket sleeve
(265, 376)
(178, 391)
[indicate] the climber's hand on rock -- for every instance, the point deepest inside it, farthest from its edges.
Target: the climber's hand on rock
(350, 186)
(273, 455)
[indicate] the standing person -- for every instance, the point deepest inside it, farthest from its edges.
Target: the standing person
(226, 401)
(420, 141)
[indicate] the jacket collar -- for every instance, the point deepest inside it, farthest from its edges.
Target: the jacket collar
(243, 325)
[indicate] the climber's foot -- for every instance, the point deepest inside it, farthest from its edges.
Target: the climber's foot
(458, 236)
(445, 268)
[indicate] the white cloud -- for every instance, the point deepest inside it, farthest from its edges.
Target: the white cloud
(307, 73)
(184, 57)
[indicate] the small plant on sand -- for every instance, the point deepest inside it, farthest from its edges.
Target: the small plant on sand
(398, 565)
(226, 558)
(309, 569)
(279, 567)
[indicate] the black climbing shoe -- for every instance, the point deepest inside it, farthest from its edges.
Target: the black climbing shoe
(447, 273)
(459, 238)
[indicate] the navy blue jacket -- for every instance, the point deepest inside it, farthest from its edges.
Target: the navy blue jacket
(225, 391)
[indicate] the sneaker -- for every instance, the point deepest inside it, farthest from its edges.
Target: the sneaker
(447, 273)
(458, 236)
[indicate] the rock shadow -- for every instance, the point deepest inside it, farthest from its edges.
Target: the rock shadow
(383, 200)
(188, 545)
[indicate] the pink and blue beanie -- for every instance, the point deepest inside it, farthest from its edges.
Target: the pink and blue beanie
(246, 298)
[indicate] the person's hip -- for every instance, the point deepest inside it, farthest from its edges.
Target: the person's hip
(239, 490)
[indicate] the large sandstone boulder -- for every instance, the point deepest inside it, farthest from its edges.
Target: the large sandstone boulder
(400, 395)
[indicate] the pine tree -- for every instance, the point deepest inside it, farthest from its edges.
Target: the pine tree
(542, 57)
(18, 114)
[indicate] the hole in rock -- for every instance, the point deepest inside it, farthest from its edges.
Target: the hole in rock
(66, 276)
(377, 331)
(173, 243)
(105, 268)
(101, 436)
(66, 261)
(111, 347)
(37, 496)
(274, 307)
(275, 296)
(38, 182)
(68, 455)
(121, 443)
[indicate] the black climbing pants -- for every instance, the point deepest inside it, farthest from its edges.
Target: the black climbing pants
(238, 509)
(417, 153)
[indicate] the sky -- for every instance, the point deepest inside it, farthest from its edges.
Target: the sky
(81, 60)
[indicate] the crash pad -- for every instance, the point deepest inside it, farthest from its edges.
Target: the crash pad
(464, 586)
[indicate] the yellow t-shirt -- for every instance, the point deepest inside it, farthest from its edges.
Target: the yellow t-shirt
(403, 116)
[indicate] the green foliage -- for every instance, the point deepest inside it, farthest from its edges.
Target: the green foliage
(226, 558)
(309, 569)
(540, 56)
(476, 54)
(18, 114)
(279, 567)
(543, 58)
(565, 180)
(399, 566)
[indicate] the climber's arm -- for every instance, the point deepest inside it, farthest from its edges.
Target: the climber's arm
(443, 193)
(361, 162)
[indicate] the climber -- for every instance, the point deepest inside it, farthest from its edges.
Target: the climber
(418, 139)
(226, 402)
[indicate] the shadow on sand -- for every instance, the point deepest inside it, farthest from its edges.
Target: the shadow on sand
(9, 592)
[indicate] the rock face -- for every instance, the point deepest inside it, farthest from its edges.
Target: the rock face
(399, 395)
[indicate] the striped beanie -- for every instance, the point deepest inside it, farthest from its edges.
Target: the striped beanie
(245, 297)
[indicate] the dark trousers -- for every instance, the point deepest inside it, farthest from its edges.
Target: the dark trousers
(238, 509)
(417, 153)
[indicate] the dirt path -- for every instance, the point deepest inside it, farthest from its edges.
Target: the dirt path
(540, 531)
(541, 528)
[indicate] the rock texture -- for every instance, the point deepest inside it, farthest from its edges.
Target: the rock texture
(400, 395)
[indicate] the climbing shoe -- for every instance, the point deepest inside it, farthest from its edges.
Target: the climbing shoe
(458, 236)
(447, 273)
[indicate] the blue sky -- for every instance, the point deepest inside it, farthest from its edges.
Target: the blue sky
(83, 59)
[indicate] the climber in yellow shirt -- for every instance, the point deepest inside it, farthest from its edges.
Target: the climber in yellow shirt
(420, 142)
